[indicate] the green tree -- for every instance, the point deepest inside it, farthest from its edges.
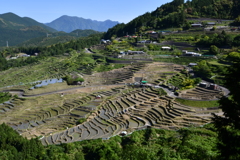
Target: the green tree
(232, 56)
(236, 41)
(4, 96)
(237, 21)
(213, 50)
(187, 26)
(202, 69)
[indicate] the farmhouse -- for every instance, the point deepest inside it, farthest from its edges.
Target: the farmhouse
(105, 41)
(135, 52)
(148, 41)
(98, 97)
(213, 86)
(122, 52)
(143, 41)
(13, 58)
(184, 51)
(166, 47)
(203, 84)
(123, 133)
(211, 24)
(196, 25)
(23, 55)
(151, 32)
(192, 64)
(191, 54)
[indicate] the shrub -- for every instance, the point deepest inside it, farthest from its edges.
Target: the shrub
(5, 96)
(161, 92)
(81, 120)
(70, 80)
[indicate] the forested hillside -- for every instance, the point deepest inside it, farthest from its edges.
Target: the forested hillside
(15, 29)
(14, 37)
(13, 21)
(176, 13)
(57, 37)
(56, 49)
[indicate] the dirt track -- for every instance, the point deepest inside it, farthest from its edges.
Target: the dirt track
(89, 89)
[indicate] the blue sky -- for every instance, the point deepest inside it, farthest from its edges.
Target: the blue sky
(48, 10)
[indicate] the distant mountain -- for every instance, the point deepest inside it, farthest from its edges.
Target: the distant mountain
(13, 21)
(15, 29)
(69, 24)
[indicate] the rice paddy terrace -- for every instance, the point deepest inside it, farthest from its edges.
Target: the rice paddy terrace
(121, 108)
(137, 109)
(45, 69)
(200, 93)
(135, 72)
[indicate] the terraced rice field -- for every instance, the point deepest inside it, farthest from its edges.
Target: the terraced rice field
(136, 109)
(46, 69)
(46, 114)
(115, 76)
(120, 109)
(150, 71)
(201, 93)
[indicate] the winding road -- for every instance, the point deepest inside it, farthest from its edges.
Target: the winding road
(21, 93)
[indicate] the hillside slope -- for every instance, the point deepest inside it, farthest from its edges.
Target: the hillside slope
(15, 29)
(56, 37)
(175, 14)
(13, 21)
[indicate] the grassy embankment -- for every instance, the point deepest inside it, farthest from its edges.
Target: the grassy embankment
(202, 104)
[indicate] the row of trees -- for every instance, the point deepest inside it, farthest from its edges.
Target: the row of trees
(218, 39)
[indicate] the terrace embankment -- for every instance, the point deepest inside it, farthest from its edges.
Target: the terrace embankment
(120, 108)
(128, 111)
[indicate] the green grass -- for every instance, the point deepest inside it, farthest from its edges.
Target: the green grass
(203, 104)
(217, 63)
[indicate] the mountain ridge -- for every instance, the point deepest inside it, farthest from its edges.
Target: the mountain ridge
(16, 30)
(74, 22)
(14, 21)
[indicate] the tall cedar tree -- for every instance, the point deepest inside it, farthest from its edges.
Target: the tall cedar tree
(228, 127)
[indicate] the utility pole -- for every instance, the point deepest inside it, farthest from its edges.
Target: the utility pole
(7, 43)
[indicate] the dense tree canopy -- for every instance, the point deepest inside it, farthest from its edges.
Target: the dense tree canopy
(228, 127)
(188, 143)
